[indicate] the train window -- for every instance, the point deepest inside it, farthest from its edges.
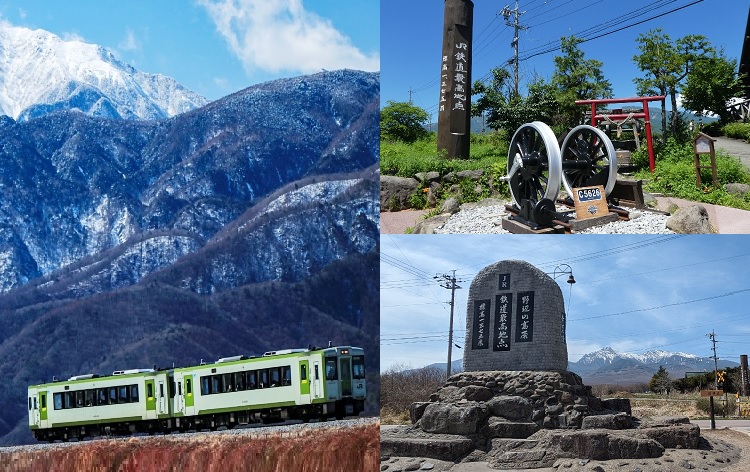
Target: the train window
(57, 401)
(331, 373)
(122, 396)
(216, 384)
(134, 393)
(263, 378)
(205, 383)
(35, 403)
(102, 396)
(317, 372)
(358, 367)
(161, 390)
(275, 374)
(303, 372)
(150, 390)
(112, 395)
(89, 396)
(286, 375)
(179, 389)
(239, 380)
(29, 403)
(252, 380)
(228, 381)
(69, 400)
(79, 398)
(43, 401)
(188, 385)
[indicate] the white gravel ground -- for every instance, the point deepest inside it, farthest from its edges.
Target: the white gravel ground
(488, 220)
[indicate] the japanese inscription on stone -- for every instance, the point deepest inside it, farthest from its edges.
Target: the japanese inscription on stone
(503, 313)
(504, 282)
(525, 317)
(480, 333)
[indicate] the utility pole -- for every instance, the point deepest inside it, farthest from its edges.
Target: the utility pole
(712, 336)
(507, 13)
(410, 91)
(449, 282)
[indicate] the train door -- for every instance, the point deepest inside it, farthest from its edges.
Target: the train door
(150, 400)
(163, 398)
(43, 422)
(346, 376)
(179, 399)
(316, 383)
(34, 419)
(304, 381)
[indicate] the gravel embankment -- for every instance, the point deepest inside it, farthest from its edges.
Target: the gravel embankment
(488, 220)
(289, 429)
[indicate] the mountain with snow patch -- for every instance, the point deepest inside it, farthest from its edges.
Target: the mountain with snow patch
(40, 73)
(607, 366)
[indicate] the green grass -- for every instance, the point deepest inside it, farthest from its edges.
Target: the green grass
(488, 153)
(675, 175)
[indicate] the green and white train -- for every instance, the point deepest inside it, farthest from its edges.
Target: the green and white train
(299, 384)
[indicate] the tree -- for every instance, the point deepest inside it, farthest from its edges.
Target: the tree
(401, 121)
(660, 382)
(508, 111)
(576, 78)
(667, 64)
(712, 81)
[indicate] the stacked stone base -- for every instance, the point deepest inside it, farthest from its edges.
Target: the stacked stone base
(527, 419)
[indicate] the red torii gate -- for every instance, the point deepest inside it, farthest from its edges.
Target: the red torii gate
(645, 114)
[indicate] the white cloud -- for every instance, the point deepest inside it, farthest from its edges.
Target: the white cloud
(130, 42)
(281, 35)
(22, 13)
(72, 36)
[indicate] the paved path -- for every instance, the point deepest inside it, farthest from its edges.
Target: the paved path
(736, 148)
(396, 222)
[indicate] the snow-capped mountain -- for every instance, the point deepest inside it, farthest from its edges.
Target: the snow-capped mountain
(41, 73)
(608, 356)
(609, 366)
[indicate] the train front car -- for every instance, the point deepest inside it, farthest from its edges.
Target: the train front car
(90, 405)
(345, 379)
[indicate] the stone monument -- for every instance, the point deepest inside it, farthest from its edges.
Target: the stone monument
(454, 109)
(516, 405)
(515, 320)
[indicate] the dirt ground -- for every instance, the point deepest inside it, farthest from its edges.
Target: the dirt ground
(721, 450)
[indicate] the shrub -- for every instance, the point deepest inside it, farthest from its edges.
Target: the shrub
(737, 130)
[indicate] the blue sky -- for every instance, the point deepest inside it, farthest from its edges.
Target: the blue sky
(624, 286)
(412, 38)
(217, 47)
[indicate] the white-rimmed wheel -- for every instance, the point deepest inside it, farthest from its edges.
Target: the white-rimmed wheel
(534, 166)
(588, 159)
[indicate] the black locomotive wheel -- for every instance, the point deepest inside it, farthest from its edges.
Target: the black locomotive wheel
(588, 159)
(533, 163)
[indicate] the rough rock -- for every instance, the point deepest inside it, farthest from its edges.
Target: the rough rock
(396, 192)
(450, 205)
(690, 220)
(453, 419)
(428, 226)
(441, 447)
(617, 421)
(676, 435)
(416, 411)
(510, 407)
(426, 177)
(738, 189)
(617, 404)
(503, 428)
(470, 174)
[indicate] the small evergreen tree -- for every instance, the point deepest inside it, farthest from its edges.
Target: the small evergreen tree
(660, 382)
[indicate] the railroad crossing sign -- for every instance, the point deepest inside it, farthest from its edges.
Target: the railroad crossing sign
(720, 376)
